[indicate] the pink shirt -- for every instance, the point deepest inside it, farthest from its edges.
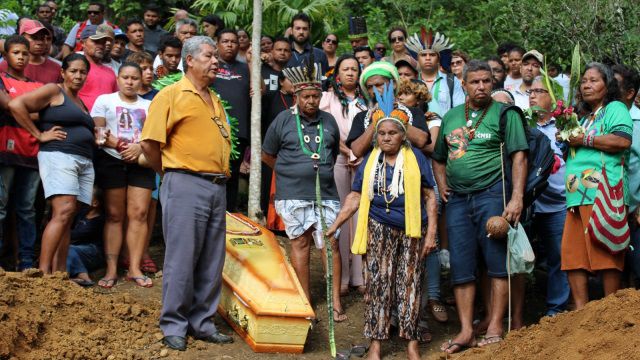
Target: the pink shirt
(331, 104)
(47, 72)
(101, 80)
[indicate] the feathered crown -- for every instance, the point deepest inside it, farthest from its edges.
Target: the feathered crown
(388, 109)
(306, 77)
(357, 27)
(427, 41)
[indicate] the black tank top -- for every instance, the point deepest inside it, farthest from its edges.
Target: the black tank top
(77, 124)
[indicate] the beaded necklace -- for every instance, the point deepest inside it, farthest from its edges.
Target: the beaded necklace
(472, 131)
(306, 139)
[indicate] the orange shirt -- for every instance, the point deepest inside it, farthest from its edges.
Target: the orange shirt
(183, 123)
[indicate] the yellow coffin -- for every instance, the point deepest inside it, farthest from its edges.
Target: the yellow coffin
(261, 296)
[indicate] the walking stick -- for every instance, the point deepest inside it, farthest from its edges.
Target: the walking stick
(504, 204)
(329, 275)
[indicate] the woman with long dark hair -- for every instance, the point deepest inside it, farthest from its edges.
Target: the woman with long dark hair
(344, 101)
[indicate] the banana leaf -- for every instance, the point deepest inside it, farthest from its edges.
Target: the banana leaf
(576, 71)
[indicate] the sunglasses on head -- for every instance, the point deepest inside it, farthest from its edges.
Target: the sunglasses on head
(397, 39)
(331, 41)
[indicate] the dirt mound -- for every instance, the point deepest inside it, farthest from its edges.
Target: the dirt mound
(49, 317)
(604, 329)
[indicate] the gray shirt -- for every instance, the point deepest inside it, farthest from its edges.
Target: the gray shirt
(295, 175)
(152, 37)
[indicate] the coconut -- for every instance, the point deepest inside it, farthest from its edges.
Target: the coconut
(497, 227)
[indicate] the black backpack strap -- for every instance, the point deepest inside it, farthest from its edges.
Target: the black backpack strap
(451, 84)
(503, 119)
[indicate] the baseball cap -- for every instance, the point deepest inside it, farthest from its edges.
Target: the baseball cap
(31, 27)
(403, 62)
(119, 34)
(91, 32)
(534, 54)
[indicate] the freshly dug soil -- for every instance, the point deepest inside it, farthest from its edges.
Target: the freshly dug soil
(49, 317)
(604, 329)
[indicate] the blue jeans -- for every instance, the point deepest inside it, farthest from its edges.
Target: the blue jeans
(633, 255)
(549, 227)
(84, 258)
(467, 216)
(21, 185)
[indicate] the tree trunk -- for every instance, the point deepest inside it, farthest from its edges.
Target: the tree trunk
(255, 176)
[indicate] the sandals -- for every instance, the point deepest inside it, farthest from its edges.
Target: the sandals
(438, 310)
(451, 347)
(148, 266)
(107, 283)
(339, 316)
(424, 335)
(490, 340)
(143, 281)
(356, 350)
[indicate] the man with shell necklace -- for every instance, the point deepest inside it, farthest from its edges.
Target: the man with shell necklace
(302, 144)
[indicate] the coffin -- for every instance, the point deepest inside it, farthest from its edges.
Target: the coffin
(261, 296)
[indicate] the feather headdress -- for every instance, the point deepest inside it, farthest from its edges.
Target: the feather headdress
(388, 109)
(306, 77)
(427, 41)
(357, 27)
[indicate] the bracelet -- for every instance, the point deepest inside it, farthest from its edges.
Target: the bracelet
(585, 140)
(590, 140)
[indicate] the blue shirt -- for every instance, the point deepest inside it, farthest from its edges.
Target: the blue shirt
(634, 161)
(553, 198)
(396, 216)
(442, 101)
(299, 59)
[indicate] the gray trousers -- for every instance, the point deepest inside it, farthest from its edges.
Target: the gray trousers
(193, 222)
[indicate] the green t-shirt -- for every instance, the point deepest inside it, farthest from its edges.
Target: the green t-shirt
(475, 165)
(584, 170)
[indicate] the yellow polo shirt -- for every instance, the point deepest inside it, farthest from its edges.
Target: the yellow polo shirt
(182, 122)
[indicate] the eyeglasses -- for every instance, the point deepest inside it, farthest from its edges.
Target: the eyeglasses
(537, 91)
(397, 39)
(91, 12)
(331, 41)
(457, 62)
(223, 131)
(381, 49)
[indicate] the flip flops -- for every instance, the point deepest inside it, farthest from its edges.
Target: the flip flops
(490, 340)
(339, 316)
(83, 282)
(451, 347)
(143, 281)
(107, 283)
(356, 350)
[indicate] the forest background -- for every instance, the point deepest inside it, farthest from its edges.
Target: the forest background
(607, 31)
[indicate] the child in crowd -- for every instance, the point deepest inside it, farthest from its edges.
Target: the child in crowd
(86, 251)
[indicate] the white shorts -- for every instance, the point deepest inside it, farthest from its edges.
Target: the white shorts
(66, 174)
(299, 215)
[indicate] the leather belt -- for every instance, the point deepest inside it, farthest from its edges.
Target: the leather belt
(212, 178)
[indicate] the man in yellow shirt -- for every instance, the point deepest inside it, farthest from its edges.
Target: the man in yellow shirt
(186, 137)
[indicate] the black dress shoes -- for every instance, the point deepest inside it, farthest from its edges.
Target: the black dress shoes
(218, 338)
(175, 342)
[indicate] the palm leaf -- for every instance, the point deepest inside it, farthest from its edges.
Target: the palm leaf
(576, 71)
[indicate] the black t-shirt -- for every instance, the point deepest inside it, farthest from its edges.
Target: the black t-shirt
(270, 77)
(273, 106)
(232, 84)
(357, 127)
(295, 175)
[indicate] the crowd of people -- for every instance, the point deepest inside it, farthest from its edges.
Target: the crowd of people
(392, 154)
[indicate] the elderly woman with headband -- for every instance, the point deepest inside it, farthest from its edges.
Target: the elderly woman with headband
(396, 228)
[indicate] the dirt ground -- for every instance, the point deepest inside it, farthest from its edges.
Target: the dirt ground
(51, 318)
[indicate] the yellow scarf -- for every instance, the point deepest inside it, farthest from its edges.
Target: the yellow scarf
(412, 198)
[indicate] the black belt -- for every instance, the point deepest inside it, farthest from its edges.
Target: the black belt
(213, 178)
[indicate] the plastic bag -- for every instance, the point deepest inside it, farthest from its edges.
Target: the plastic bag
(520, 259)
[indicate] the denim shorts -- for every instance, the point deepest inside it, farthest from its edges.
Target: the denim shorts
(66, 174)
(467, 215)
(299, 215)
